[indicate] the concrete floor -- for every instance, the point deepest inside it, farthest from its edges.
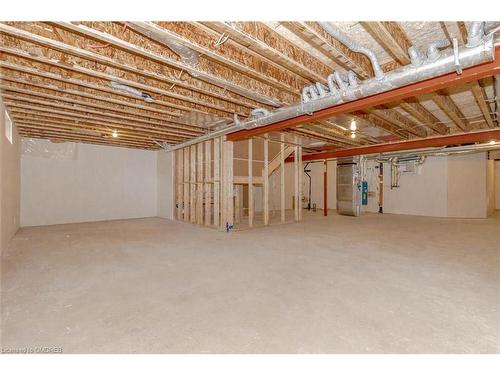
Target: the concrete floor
(373, 284)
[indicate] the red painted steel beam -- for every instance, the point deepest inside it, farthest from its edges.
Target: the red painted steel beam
(445, 140)
(438, 83)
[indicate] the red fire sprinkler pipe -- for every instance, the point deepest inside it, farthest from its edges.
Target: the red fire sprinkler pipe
(325, 188)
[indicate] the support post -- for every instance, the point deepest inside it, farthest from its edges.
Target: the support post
(199, 183)
(250, 183)
(282, 178)
(301, 173)
(179, 201)
(325, 188)
(217, 182)
(192, 184)
(296, 181)
(228, 182)
(208, 187)
(265, 176)
(185, 203)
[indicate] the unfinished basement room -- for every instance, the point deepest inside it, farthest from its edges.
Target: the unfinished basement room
(253, 187)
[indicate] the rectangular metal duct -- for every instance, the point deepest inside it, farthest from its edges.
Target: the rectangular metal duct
(348, 194)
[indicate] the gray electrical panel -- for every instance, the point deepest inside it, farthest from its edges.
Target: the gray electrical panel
(348, 193)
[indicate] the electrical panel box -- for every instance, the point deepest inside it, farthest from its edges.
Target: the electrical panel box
(364, 193)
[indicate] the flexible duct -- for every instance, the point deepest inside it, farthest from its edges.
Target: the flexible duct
(348, 42)
(259, 112)
(406, 75)
(476, 33)
(131, 90)
(433, 50)
(416, 56)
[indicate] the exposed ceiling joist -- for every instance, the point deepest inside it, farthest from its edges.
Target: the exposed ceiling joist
(101, 59)
(476, 89)
(78, 82)
(393, 38)
(123, 113)
(434, 84)
(165, 36)
(193, 71)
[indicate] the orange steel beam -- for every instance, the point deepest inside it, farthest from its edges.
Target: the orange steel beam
(438, 83)
(446, 140)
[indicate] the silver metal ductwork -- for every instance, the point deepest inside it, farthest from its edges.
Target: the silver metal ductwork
(345, 87)
(348, 179)
(348, 42)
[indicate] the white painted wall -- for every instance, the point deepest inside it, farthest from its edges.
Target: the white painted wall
(317, 184)
(423, 193)
(453, 186)
(166, 190)
(100, 183)
(467, 190)
(490, 185)
(10, 181)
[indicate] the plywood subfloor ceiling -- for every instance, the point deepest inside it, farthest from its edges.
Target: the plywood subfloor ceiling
(56, 79)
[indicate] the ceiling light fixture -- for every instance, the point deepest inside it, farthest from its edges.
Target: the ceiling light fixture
(114, 134)
(492, 142)
(353, 125)
(353, 135)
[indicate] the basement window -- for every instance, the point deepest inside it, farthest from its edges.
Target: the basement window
(8, 127)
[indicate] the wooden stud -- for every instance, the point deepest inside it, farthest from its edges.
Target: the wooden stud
(227, 206)
(208, 187)
(187, 200)
(238, 203)
(265, 176)
(301, 173)
(199, 183)
(192, 185)
(282, 182)
(250, 183)
(229, 183)
(179, 163)
(296, 181)
(217, 182)
(325, 187)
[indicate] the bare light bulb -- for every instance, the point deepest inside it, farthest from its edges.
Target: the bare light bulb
(353, 125)
(114, 134)
(353, 135)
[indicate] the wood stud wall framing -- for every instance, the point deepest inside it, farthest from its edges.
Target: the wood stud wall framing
(208, 193)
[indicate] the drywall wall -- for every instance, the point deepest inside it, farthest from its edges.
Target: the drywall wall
(10, 181)
(497, 184)
(165, 194)
(94, 183)
(452, 186)
(490, 186)
(317, 184)
(421, 193)
(467, 191)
